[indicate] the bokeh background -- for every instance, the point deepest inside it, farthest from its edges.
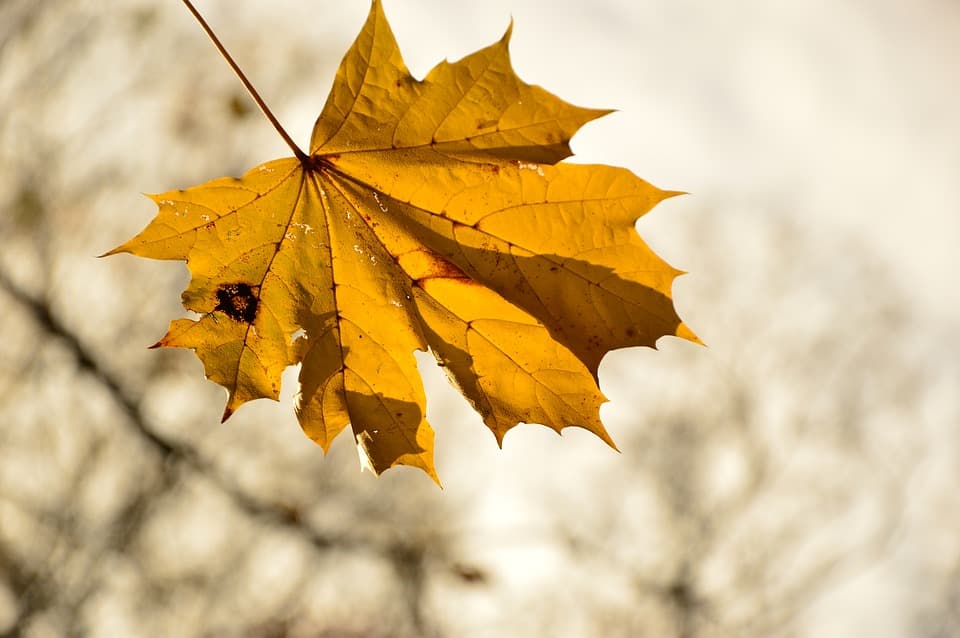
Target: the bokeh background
(799, 477)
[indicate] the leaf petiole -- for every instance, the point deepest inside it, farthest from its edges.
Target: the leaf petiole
(300, 155)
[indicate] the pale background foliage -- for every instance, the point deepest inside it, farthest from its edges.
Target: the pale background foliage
(796, 478)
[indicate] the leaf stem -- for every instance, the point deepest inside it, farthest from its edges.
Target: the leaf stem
(303, 157)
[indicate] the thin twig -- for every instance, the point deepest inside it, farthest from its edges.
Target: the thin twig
(300, 155)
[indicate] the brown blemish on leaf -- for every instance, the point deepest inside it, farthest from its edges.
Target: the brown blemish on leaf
(238, 301)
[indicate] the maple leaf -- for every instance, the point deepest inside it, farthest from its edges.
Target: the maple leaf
(431, 214)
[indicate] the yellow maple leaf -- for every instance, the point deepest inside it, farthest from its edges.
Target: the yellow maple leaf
(431, 214)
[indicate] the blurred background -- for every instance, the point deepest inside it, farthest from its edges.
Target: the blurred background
(797, 478)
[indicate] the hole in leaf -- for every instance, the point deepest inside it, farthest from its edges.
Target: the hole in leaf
(238, 302)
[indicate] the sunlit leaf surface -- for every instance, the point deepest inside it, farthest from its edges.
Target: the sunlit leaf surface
(431, 214)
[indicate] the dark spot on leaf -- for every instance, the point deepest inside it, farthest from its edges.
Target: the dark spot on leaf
(631, 332)
(238, 301)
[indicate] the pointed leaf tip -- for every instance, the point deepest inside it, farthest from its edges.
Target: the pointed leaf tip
(604, 436)
(686, 333)
(505, 39)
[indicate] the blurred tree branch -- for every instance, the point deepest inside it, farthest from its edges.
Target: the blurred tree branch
(408, 556)
(173, 451)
